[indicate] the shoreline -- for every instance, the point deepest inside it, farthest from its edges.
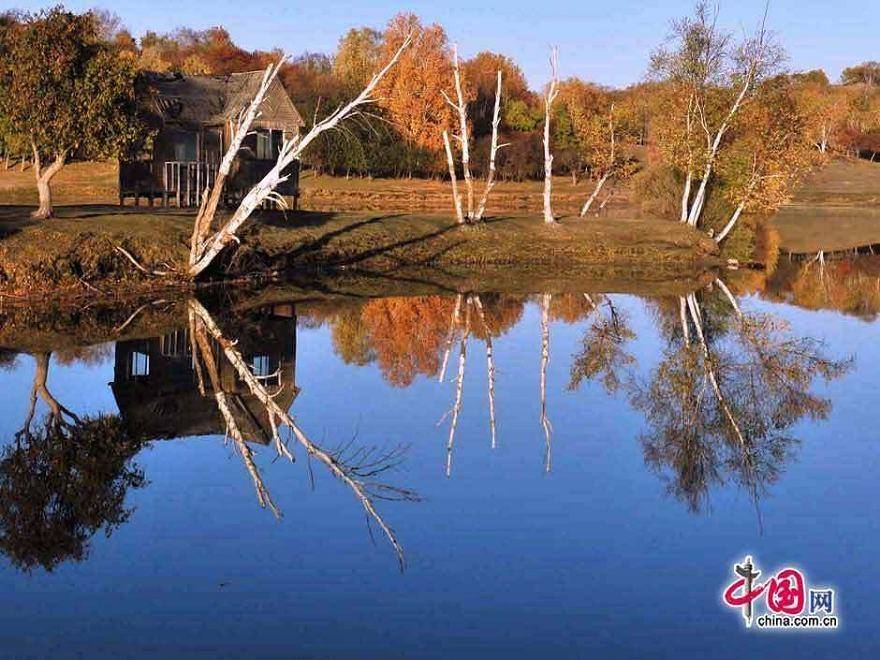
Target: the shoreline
(74, 257)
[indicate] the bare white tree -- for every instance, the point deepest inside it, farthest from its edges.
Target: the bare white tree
(205, 245)
(456, 196)
(493, 151)
(460, 107)
(549, 98)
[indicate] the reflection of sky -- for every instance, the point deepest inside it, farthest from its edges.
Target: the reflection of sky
(501, 557)
(608, 42)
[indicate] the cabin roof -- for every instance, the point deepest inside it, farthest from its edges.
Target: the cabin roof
(214, 100)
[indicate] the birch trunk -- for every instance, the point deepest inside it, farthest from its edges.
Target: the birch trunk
(552, 91)
(731, 223)
(461, 108)
(686, 195)
(592, 198)
(493, 151)
(456, 197)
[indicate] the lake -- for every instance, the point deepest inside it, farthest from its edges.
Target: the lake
(565, 473)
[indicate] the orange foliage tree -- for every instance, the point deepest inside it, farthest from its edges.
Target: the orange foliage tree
(412, 92)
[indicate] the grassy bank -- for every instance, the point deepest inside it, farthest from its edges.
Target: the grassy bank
(75, 254)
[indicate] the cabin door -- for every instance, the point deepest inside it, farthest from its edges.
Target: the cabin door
(212, 145)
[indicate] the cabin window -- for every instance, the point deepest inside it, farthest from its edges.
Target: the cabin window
(175, 344)
(183, 144)
(138, 364)
(260, 366)
(269, 144)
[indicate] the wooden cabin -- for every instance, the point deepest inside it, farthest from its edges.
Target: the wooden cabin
(193, 118)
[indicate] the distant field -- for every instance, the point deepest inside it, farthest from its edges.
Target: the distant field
(96, 183)
(836, 208)
(77, 183)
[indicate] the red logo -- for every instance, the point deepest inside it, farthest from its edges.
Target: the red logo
(784, 593)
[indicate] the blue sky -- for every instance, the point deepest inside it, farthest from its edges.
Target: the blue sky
(608, 42)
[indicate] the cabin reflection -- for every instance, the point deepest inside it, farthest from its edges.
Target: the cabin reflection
(156, 386)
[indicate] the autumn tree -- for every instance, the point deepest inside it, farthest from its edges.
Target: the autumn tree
(357, 57)
(866, 73)
(412, 92)
(824, 110)
(767, 154)
(713, 78)
(65, 92)
(603, 143)
(480, 75)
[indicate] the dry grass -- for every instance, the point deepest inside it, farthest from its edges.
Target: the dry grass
(75, 253)
(77, 183)
(97, 183)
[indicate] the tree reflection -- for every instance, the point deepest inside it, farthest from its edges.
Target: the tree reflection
(719, 403)
(602, 354)
(360, 468)
(63, 481)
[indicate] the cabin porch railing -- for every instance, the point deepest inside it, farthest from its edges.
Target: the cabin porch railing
(186, 180)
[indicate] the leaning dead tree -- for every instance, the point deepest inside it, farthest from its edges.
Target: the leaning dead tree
(468, 211)
(206, 244)
(609, 168)
(549, 98)
(358, 470)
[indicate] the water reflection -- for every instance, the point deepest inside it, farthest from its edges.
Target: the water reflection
(722, 398)
(718, 405)
(63, 479)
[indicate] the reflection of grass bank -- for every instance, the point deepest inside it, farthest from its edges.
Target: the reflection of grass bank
(56, 326)
(836, 208)
(75, 254)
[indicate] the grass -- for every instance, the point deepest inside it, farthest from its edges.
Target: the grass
(75, 254)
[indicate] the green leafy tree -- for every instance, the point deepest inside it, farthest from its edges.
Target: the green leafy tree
(66, 92)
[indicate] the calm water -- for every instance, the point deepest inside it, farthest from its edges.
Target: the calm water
(605, 519)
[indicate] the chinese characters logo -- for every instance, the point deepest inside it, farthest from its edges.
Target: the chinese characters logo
(783, 596)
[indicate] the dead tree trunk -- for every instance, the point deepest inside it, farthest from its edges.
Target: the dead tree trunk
(460, 107)
(549, 98)
(456, 196)
(599, 185)
(206, 245)
(493, 151)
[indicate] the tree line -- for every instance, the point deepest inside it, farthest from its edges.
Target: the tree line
(656, 129)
